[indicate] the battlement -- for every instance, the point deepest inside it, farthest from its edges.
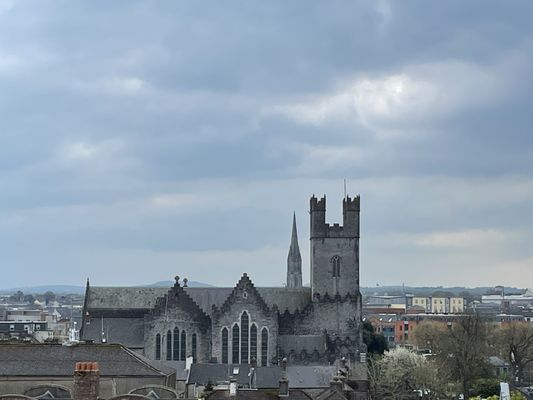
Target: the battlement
(318, 204)
(349, 228)
(351, 204)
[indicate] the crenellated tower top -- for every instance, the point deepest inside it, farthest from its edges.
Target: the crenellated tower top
(350, 211)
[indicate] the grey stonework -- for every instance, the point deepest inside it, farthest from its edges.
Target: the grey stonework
(334, 249)
(314, 325)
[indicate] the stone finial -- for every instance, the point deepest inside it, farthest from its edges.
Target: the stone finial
(185, 280)
(177, 279)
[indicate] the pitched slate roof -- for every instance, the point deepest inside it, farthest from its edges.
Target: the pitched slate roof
(143, 298)
(126, 331)
(299, 376)
(56, 360)
(202, 374)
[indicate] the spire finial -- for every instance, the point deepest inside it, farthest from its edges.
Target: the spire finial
(294, 259)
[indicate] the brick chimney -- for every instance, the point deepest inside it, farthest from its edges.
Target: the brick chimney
(86, 381)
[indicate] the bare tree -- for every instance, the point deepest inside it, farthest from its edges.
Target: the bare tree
(516, 342)
(461, 348)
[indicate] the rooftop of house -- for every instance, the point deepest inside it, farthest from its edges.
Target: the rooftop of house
(57, 360)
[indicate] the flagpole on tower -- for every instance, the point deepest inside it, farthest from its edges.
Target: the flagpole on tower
(344, 187)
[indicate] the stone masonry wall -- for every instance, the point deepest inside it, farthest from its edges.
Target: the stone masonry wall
(175, 318)
(258, 315)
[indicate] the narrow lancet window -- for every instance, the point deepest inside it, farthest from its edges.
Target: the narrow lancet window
(244, 337)
(183, 343)
(194, 346)
(253, 342)
(235, 344)
(264, 347)
(169, 345)
(158, 347)
(176, 349)
(225, 345)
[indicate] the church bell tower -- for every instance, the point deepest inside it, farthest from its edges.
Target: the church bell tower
(334, 249)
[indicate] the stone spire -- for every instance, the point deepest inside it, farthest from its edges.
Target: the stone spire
(294, 260)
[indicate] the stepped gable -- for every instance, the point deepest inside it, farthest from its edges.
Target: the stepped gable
(177, 297)
(245, 285)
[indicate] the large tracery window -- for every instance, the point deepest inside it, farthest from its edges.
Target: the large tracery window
(264, 347)
(183, 342)
(176, 349)
(169, 345)
(244, 337)
(194, 346)
(225, 345)
(158, 347)
(235, 344)
(253, 343)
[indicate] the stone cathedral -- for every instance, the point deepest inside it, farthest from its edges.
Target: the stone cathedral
(246, 324)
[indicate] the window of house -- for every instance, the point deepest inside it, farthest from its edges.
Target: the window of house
(225, 346)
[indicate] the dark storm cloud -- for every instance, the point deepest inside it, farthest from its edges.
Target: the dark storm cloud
(182, 135)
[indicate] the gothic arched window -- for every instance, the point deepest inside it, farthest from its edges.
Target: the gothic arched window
(235, 344)
(158, 347)
(336, 266)
(169, 345)
(183, 342)
(253, 342)
(176, 350)
(245, 319)
(264, 347)
(194, 346)
(225, 345)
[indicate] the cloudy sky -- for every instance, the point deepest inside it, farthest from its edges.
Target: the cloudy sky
(140, 140)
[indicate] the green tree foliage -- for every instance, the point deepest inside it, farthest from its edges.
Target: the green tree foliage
(375, 342)
(486, 387)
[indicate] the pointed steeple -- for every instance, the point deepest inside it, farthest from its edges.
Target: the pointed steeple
(294, 259)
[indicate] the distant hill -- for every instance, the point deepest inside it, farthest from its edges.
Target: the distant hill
(71, 289)
(395, 290)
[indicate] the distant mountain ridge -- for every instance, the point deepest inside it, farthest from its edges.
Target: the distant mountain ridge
(395, 290)
(72, 289)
